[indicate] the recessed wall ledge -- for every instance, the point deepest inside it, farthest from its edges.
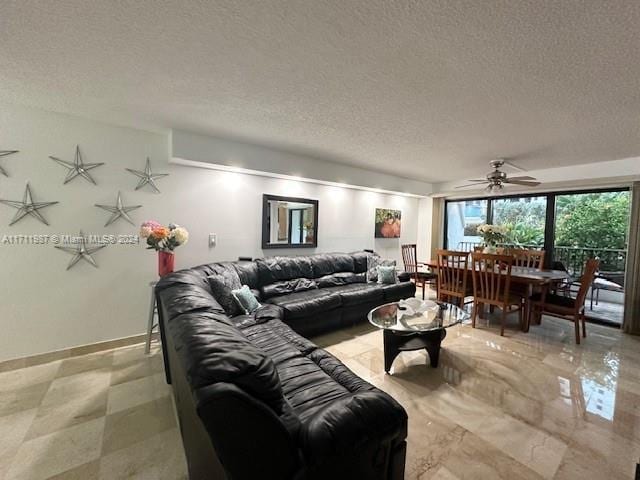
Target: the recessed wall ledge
(216, 153)
(608, 174)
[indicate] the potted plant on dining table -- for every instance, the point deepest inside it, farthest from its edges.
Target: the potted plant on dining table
(164, 240)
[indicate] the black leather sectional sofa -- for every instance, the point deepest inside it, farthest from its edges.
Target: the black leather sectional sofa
(255, 399)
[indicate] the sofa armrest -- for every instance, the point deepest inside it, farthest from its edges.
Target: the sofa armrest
(347, 424)
(404, 276)
(249, 439)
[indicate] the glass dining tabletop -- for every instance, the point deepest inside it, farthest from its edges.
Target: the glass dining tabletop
(415, 315)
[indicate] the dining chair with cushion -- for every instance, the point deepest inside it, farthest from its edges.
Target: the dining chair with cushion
(608, 281)
(567, 307)
(421, 278)
(453, 276)
(492, 286)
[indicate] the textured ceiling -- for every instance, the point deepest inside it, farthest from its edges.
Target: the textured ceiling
(427, 88)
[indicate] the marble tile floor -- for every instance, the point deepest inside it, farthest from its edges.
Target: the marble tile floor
(527, 405)
(523, 406)
(107, 415)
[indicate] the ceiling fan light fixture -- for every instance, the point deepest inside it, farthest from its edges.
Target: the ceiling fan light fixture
(493, 188)
(497, 178)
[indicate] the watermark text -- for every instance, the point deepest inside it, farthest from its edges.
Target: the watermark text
(64, 239)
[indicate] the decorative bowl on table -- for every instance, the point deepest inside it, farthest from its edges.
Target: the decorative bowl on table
(415, 313)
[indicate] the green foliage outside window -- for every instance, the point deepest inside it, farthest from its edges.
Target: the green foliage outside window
(593, 220)
(524, 220)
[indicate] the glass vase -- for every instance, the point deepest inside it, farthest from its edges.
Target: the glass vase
(165, 263)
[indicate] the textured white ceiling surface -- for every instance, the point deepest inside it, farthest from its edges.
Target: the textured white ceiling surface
(424, 89)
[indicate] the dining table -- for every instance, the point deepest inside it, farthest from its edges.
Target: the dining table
(531, 278)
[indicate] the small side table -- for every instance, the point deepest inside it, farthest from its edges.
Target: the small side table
(153, 315)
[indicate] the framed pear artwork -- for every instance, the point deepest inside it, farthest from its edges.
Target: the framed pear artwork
(388, 223)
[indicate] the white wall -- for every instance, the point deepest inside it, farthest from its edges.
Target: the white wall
(230, 153)
(425, 212)
(46, 308)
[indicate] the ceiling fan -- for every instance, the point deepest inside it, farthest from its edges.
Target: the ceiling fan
(498, 178)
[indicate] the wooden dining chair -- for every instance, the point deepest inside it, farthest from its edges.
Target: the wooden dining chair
(491, 285)
(528, 258)
(567, 307)
(411, 266)
(453, 274)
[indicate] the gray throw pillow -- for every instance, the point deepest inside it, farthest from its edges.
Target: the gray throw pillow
(373, 262)
(386, 274)
(221, 288)
(246, 299)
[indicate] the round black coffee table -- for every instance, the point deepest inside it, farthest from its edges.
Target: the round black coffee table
(414, 324)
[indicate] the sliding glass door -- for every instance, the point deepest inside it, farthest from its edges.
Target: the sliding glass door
(570, 226)
(595, 225)
(463, 219)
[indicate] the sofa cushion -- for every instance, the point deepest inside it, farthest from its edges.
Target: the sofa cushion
(302, 304)
(318, 324)
(313, 382)
(275, 269)
(362, 413)
(264, 313)
(396, 291)
(349, 423)
(212, 350)
(183, 298)
(196, 276)
(306, 386)
(278, 340)
(340, 278)
(248, 274)
(360, 261)
(286, 287)
(222, 287)
(359, 293)
(327, 263)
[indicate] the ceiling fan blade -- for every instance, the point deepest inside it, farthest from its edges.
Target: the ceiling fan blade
(522, 182)
(514, 166)
(478, 180)
(472, 184)
(517, 179)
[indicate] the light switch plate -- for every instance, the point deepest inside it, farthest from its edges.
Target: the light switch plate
(213, 239)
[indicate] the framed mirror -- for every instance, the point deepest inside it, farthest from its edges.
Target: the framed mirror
(289, 222)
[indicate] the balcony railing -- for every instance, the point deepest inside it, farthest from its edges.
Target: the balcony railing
(612, 260)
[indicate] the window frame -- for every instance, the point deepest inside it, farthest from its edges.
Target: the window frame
(549, 230)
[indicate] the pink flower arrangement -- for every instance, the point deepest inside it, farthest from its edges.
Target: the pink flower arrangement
(161, 238)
